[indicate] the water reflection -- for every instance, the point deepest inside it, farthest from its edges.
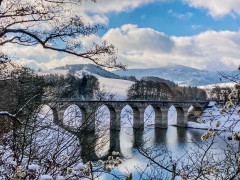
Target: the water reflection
(138, 138)
(160, 136)
(87, 142)
(100, 145)
(114, 141)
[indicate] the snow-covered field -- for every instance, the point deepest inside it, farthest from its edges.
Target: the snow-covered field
(211, 118)
(118, 87)
(229, 84)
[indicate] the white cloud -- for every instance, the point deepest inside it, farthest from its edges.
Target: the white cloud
(106, 6)
(97, 12)
(145, 47)
(33, 52)
(217, 8)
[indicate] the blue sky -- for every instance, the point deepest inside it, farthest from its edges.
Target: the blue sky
(173, 18)
(202, 34)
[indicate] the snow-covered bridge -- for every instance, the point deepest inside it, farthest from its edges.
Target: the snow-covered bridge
(89, 108)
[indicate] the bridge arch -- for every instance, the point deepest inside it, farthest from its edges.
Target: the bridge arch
(172, 115)
(73, 117)
(88, 109)
(102, 115)
(102, 123)
(126, 116)
(150, 115)
(45, 114)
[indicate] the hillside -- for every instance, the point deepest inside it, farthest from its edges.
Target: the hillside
(157, 79)
(88, 69)
(182, 75)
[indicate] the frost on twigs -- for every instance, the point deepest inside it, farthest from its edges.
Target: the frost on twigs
(233, 98)
(208, 135)
(236, 136)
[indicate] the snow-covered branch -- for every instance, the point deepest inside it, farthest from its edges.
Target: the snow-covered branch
(13, 116)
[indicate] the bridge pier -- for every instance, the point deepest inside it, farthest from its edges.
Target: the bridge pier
(88, 119)
(58, 115)
(115, 118)
(182, 116)
(161, 117)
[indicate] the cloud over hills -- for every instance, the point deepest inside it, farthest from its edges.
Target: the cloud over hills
(146, 48)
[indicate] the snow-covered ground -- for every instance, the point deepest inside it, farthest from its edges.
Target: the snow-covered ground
(211, 118)
(208, 88)
(118, 87)
(229, 84)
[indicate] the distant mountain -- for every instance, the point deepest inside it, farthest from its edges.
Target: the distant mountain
(80, 70)
(182, 75)
(157, 79)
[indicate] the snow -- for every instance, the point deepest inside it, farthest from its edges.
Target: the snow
(60, 178)
(117, 87)
(82, 73)
(208, 88)
(212, 103)
(55, 71)
(33, 167)
(45, 177)
(228, 121)
(229, 84)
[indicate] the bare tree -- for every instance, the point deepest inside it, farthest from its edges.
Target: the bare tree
(53, 24)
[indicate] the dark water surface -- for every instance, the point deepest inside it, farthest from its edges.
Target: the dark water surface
(178, 140)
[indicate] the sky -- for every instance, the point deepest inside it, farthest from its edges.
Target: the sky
(203, 34)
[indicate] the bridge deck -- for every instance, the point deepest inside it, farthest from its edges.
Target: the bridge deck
(128, 101)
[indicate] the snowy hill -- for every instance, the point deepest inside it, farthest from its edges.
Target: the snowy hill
(182, 75)
(229, 84)
(118, 87)
(87, 69)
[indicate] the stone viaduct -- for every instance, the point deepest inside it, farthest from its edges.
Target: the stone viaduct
(89, 108)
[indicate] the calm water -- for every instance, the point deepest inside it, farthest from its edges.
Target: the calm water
(175, 139)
